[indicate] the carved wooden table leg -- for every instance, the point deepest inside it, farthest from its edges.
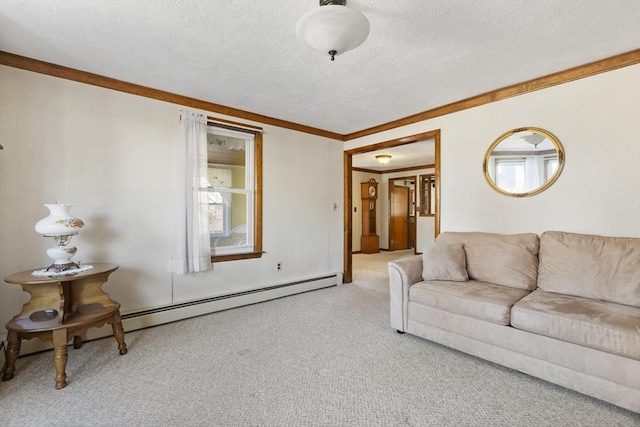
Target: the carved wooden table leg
(118, 332)
(60, 357)
(11, 355)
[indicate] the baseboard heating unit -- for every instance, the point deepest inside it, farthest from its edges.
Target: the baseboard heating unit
(180, 311)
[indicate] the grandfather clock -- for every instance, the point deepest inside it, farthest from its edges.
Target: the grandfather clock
(369, 241)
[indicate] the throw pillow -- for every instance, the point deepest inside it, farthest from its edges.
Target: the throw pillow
(444, 261)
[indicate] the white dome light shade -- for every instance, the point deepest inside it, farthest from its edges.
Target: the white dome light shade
(383, 158)
(333, 29)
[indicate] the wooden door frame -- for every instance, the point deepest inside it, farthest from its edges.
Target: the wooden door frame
(348, 190)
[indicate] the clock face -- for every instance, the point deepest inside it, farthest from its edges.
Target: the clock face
(372, 191)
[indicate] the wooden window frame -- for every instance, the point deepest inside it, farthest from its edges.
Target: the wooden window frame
(256, 251)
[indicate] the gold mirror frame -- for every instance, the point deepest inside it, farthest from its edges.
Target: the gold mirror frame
(507, 135)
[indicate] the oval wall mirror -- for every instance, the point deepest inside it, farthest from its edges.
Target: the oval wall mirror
(523, 162)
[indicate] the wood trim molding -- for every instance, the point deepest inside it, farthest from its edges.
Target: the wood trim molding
(408, 168)
(576, 73)
(67, 73)
(436, 231)
(394, 142)
(217, 121)
(236, 257)
(368, 171)
(257, 227)
(348, 189)
(347, 274)
(587, 70)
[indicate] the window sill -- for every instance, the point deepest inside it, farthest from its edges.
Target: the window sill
(236, 257)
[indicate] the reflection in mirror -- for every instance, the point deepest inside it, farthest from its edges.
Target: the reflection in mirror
(427, 195)
(523, 162)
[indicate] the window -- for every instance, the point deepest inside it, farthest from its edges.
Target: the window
(510, 174)
(234, 192)
(517, 174)
(219, 212)
(550, 167)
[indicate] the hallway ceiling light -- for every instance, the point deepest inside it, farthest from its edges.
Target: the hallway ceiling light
(383, 158)
(333, 28)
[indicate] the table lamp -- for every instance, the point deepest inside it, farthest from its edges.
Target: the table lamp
(61, 226)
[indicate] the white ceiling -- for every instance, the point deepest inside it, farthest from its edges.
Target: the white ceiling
(417, 153)
(244, 54)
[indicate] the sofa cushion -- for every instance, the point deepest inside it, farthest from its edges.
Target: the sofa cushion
(480, 300)
(602, 325)
(603, 268)
(503, 259)
(444, 261)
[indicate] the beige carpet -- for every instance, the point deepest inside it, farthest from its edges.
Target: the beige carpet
(322, 358)
(370, 270)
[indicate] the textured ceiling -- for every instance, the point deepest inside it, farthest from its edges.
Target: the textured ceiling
(417, 153)
(244, 54)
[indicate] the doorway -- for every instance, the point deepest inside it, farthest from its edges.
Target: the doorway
(348, 188)
(402, 213)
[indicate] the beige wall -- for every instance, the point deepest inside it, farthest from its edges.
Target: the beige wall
(597, 119)
(238, 201)
(112, 155)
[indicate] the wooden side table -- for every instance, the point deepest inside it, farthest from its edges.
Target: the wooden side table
(62, 308)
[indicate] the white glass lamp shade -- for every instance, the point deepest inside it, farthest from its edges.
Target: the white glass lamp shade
(383, 158)
(333, 28)
(59, 222)
(61, 226)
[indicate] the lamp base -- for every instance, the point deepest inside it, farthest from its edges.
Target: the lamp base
(58, 268)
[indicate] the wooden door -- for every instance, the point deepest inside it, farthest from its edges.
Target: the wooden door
(399, 218)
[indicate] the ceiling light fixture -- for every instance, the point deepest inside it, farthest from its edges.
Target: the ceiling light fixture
(333, 28)
(383, 158)
(533, 139)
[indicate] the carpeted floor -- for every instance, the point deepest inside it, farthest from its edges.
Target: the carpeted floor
(323, 358)
(370, 270)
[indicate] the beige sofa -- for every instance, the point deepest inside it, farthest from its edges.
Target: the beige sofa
(562, 307)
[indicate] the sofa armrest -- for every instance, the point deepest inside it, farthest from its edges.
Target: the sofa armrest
(403, 273)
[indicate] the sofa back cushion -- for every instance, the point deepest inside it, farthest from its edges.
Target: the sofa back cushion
(503, 259)
(596, 267)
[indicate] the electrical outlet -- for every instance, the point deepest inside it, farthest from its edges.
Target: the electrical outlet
(279, 266)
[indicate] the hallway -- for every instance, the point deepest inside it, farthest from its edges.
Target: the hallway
(370, 270)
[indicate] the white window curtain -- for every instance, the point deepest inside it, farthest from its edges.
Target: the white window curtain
(532, 173)
(191, 246)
